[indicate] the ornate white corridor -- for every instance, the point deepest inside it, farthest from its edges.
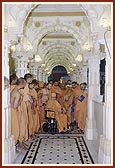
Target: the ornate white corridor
(37, 37)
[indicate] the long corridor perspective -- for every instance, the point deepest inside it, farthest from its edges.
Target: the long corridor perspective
(57, 80)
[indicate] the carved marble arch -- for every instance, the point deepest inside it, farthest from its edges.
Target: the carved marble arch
(53, 63)
(85, 7)
(63, 28)
(73, 49)
(59, 49)
(63, 59)
(79, 37)
(25, 19)
(63, 56)
(52, 28)
(74, 32)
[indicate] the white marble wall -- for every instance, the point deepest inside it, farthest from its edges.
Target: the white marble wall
(8, 139)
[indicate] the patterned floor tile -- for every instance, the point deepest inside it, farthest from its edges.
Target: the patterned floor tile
(58, 149)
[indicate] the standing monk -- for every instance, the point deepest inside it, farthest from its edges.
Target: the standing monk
(75, 89)
(81, 107)
(27, 100)
(13, 79)
(68, 105)
(41, 104)
(55, 89)
(16, 100)
(34, 105)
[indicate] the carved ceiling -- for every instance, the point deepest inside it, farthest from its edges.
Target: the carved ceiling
(57, 32)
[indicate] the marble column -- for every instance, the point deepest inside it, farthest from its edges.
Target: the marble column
(21, 66)
(33, 70)
(84, 74)
(74, 77)
(44, 76)
(93, 91)
(105, 150)
(40, 74)
(8, 144)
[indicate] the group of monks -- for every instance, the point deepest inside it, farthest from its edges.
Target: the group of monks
(31, 98)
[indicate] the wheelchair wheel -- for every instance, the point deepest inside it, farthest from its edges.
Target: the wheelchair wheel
(53, 128)
(53, 131)
(45, 127)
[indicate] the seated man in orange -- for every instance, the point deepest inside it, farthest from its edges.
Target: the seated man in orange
(52, 104)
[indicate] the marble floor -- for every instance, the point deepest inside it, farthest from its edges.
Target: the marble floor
(57, 149)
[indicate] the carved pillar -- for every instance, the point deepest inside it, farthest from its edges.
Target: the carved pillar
(21, 66)
(34, 70)
(104, 155)
(74, 76)
(93, 91)
(44, 76)
(40, 74)
(9, 144)
(84, 74)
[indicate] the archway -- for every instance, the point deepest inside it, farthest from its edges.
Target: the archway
(58, 72)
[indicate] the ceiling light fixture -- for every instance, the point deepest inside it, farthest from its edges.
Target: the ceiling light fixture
(74, 65)
(37, 58)
(79, 58)
(42, 65)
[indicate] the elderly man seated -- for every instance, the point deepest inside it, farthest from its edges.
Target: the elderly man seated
(52, 104)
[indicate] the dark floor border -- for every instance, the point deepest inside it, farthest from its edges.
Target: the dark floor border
(26, 153)
(79, 151)
(36, 151)
(88, 150)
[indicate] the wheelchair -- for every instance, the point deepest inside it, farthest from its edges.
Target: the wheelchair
(50, 126)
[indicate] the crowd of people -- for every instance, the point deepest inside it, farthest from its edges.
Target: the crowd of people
(30, 98)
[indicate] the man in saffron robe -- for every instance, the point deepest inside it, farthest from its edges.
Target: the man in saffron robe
(75, 89)
(81, 107)
(55, 89)
(34, 106)
(27, 100)
(16, 100)
(41, 104)
(13, 79)
(68, 104)
(52, 104)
